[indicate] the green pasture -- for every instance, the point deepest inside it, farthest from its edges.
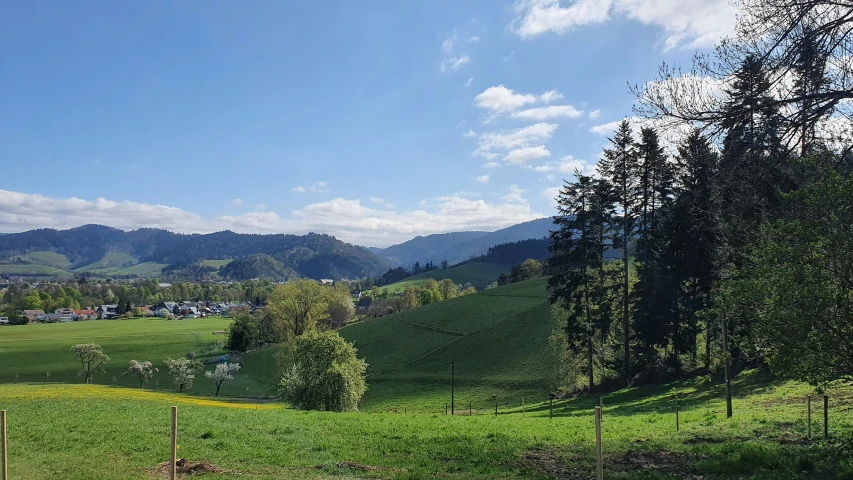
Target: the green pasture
(78, 432)
(28, 353)
(479, 274)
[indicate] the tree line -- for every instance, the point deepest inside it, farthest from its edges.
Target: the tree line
(731, 211)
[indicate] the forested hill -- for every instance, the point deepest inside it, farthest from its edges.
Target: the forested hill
(96, 249)
(460, 246)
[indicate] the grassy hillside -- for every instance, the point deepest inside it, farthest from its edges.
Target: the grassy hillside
(50, 259)
(215, 263)
(29, 352)
(111, 261)
(147, 269)
(498, 340)
(32, 270)
(123, 433)
(478, 274)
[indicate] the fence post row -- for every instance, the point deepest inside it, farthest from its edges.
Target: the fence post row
(4, 468)
(809, 415)
(677, 422)
(599, 457)
(173, 461)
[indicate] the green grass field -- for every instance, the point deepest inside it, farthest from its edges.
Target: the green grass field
(215, 263)
(111, 261)
(29, 352)
(50, 259)
(78, 432)
(34, 270)
(147, 269)
(498, 340)
(478, 274)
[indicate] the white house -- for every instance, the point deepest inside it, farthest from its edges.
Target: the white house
(4, 320)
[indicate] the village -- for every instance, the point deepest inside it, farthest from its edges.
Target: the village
(172, 310)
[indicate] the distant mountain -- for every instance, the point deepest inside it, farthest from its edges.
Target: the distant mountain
(95, 248)
(424, 249)
(460, 246)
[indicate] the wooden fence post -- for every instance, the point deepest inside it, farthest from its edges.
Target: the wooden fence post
(496, 406)
(470, 411)
(522, 407)
(809, 415)
(172, 466)
(677, 422)
(599, 457)
(825, 416)
(445, 409)
(4, 469)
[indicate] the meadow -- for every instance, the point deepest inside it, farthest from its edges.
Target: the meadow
(123, 433)
(479, 274)
(39, 352)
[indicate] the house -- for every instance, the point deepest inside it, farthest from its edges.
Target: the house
(168, 306)
(108, 312)
(86, 314)
(66, 311)
(190, 312)
(146, 311)
(327, 281)
(356, 294)
(33, 315)
(4, 320)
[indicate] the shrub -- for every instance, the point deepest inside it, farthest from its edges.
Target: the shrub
(326, 374)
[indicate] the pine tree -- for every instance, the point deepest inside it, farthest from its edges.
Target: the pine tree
(618, 169)
(654, 296)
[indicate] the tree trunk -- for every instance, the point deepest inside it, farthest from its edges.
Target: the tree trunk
(589, 358)
(627, 328)
(180, 388)
(218, 386)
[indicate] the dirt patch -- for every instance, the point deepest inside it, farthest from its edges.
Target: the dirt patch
(712, 440)
(663, 461)
(788, 439)
(369, 468)
(186, 467)
(550, 465)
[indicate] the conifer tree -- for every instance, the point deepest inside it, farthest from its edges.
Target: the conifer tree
(618, 169)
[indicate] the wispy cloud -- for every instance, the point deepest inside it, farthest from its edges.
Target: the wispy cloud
(468, 83)
(237, 201)
(319, 187)
(482, 179)
(453, 64)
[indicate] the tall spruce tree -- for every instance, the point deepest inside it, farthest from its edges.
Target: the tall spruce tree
(694, 230)
(577, 265)
(618, 169)
(654, 295)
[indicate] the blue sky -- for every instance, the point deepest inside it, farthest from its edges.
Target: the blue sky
(375, 121)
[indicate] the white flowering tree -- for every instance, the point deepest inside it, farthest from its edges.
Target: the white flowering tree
(143, 371)
(222, 374)
(183, 371)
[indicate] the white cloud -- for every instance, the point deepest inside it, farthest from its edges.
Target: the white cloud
(348, 220)
(237, 201)
(514, 139)
(449, 41)
(492, 165)
(568, 165)
(514, 195)
(686, 23)
(550, 177)
(482, 179)
(319, 187)
(551, 193)
(469, 134)
(670, 135)
(261, 206)
(376, 200)
(550, 96)
(595, 114)
(454, 63)
(473, 39)
(422, 203)
(520, 156)
(501, 98)
(547, 113)
(468, 83)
